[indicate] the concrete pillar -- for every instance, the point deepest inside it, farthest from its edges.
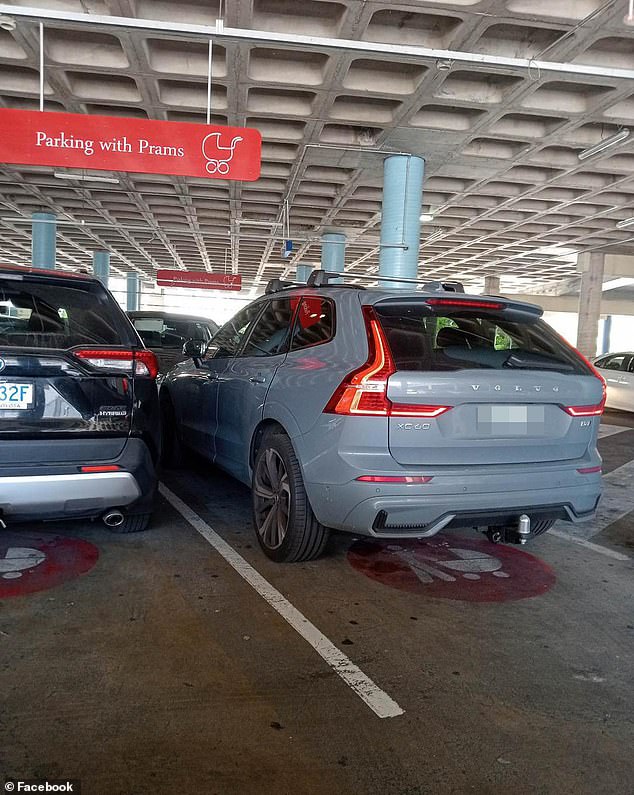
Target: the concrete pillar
(333, 252)
(491, 285)
(591, 265)
(400, 219)
(133, 288)
(303, 272)
(607, 332)
(43, 240)
(101, 266)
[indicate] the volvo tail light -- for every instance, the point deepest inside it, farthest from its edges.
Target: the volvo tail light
(364, 391)
(127, 362)
(587, 411)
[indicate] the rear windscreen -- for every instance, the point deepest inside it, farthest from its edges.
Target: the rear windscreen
(160, 332)
(44, 315)
(421, 338)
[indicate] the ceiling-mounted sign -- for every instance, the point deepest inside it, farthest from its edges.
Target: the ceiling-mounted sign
(200, 280)
(109, 143)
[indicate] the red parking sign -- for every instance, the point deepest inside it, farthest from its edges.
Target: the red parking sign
(137, 145)
(453, 567)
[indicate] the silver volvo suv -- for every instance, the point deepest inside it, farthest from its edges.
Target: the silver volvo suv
(391, 414)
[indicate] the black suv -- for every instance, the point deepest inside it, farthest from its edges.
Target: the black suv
(79, 418)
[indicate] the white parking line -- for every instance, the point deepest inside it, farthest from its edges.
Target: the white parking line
(611, 553)
(617, 502)
(378, 700)
(610, 430)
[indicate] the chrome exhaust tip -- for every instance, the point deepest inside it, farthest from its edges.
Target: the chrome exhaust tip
(113, 518)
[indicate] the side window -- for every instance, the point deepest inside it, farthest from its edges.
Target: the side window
(630, 367)
(229, 338)
(315, 322)
(270, 333)
(612, 362)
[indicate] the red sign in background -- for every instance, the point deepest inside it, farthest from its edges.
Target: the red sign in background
(200, 280)
(31, 562)
(453, 567)
(136, 145)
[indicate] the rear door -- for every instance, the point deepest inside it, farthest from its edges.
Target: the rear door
(195, 389)
(479, 382)
(614, 369)
(245, 383)
(50, 390)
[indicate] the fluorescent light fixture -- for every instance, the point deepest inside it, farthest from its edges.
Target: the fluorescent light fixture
(614, 284)
(7, 22)
(606, 143)
(427, 218)
(85, 177)
(625, 223)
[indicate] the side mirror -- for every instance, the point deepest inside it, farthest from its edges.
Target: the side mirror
(194, 349)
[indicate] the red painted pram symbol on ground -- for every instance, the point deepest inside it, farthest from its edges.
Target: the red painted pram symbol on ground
(35, 562)
(218, 155)
(451, 567)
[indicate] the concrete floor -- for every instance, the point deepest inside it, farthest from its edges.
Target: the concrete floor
(162, 671)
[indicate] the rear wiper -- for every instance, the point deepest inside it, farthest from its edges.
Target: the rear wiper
(519, 362)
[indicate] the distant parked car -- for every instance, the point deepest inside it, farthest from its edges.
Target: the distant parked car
(79, 409)
(391, 414)
(618, 371)
(165, 334)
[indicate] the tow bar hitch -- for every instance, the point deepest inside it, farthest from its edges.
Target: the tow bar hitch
(510, 534)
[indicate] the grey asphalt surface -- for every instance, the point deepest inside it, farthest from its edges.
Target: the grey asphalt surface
(162, 671)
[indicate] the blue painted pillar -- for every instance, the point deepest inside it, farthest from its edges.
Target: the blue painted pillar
(101, 266)
(400, 220)
(333, 252)
(303, 272)
(607, 332)
(43, 240)
(133, 287)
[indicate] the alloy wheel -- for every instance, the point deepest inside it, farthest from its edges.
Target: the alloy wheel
(271, 499)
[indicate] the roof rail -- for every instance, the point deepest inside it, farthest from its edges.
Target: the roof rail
(321, 278)
(276, 285)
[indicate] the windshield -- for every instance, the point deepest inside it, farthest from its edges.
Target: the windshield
(422, 339)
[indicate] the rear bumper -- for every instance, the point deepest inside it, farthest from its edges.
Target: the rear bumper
(67, 495)
(58, 491)
(397, 511)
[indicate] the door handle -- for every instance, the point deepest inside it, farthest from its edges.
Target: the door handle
(257, 379)
(212, 376)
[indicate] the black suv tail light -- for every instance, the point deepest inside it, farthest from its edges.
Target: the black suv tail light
(138, 363)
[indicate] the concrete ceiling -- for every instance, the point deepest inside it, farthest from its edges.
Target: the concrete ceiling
(501, 138)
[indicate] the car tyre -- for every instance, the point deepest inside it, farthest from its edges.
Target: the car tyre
(172, 454)
(285, 525)
(135, 523)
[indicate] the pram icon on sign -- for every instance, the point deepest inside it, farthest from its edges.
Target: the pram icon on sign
(218, 157)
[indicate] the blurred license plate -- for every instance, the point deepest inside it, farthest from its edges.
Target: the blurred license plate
(513, 420)
(16, 396)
